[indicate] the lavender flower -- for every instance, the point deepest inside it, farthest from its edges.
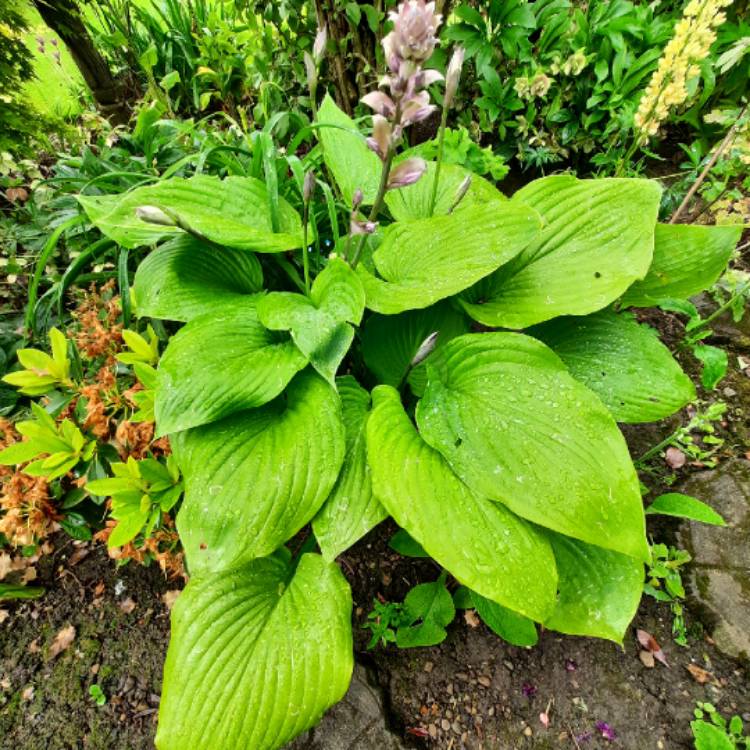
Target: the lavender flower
(406, 173)
(413, 36)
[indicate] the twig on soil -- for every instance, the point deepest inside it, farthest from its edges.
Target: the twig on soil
(573, 736)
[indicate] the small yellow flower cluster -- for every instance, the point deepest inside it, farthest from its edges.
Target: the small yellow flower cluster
(693, 36)
(574, 65)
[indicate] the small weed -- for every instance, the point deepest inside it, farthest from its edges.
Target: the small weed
(664, 583)
(97, 695)
(712, 731)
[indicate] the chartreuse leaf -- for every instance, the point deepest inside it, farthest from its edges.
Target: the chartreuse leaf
(257, 655)
(11, 591)
(684, 506)
(509, 625)
(428, 608)
(319, 324)
(413, 201)
(710, 737)
(220, 363)
(688, 258)
(518, 429)
(424, 261)
(623, 362)
(389, 342)
(345, 151)
(598, 238)
(234, 211)
(599, 590)
(406, 545)
(185, 277)
(483, 544)
(351, 509)
(254, 479)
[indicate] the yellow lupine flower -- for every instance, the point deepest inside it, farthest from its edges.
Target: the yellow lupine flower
(693, 36)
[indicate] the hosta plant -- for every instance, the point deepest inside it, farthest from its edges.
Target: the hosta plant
(460, 363)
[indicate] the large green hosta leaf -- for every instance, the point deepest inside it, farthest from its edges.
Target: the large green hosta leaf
(517, 428)
(184, 278)
(599, 590)
(687, 260)
(346, 154)
(427, 260)
(389, 342)
(351, 509)
(254, 479)
(220, 363)
(413, 202)
(319, 324)
(623, 362)
(598, 238)
(483, 544)
(234, 211)
(257, 655)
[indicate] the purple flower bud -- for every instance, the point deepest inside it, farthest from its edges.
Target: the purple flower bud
(406, 173)
(453, 75)
(362, 227)
(380, 102)
(426, 78)
(357, 199)
(380, 142)
(311, 69)
(425, 348)
(154, 215)
(308, 187)
(319, 47)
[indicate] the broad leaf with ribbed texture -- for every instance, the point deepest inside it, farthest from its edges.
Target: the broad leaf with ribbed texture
(413, 201)
(345, 152)
(598, 238)
(254, 479)
(219, 363)
(509, 625)
(599, 590)
(389, 342)
(351, 509)
(185, 278)
(234, 211)
(482, 543)
(424, 261)
(687, 259)
(623, 362)
(319, 324)
(519, 429)
(257, 655)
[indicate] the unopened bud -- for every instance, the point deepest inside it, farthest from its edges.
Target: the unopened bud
(308, 187)
(425, 348)
(463, 188)
(312, 70)
(357, 199)
(453, 75)
(406, 173)
(154, 215)
(319, 47)
(362, 227)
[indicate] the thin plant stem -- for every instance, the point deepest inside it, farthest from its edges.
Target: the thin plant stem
(728, 138)
(378, 204)
(441, 139)
(305, 260)
(722, 308)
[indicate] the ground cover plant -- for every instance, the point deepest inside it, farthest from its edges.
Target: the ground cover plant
(317, 323)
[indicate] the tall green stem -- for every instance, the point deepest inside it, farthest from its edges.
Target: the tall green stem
(441, 139)
(378, 204)
(305, 260)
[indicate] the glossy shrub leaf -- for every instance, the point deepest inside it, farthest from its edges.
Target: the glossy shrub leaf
(428, 608)
(710, 737)
(389, 342)
(319, 324)
(184, 278)
(684, 506)
(345, 151)
(254, 479)
(688, 258)
(351, 509)
(257, 654)
(424, 261)
(599, 590)
(517, 428)
(413, 201)
(483, 544)
(220, 363)
(598, 238)
(624, 363)
(509, 625)
(403, 543)
(234, 212)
